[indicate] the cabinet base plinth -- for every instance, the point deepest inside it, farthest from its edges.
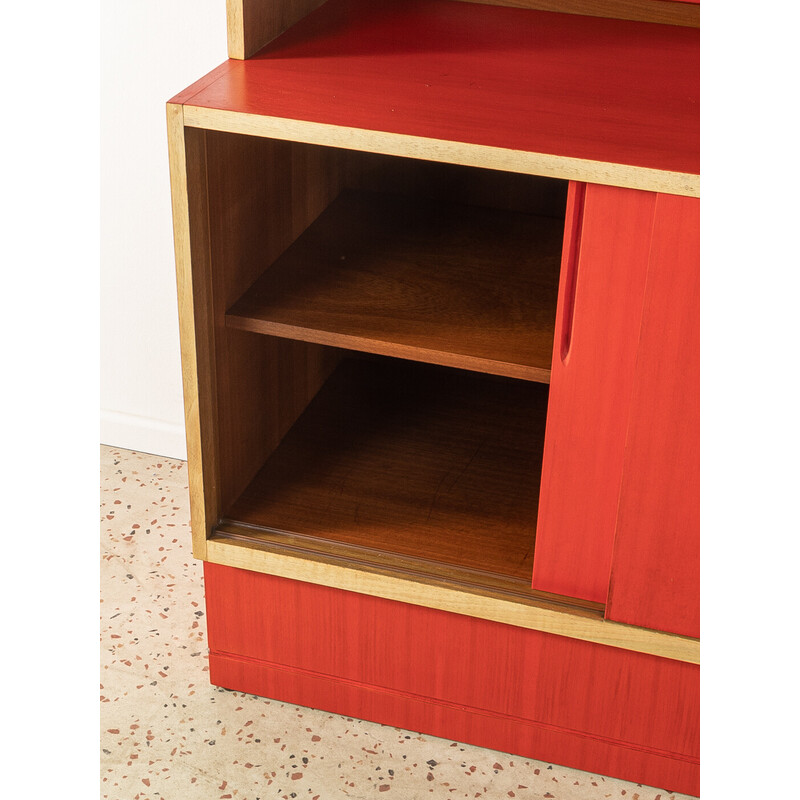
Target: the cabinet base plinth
(586, 706)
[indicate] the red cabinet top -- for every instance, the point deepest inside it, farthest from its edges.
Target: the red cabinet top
(568, 86)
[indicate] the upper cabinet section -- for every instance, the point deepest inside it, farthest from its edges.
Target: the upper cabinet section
(254, 23)
(563, 95)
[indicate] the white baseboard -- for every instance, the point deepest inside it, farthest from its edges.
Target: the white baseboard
(142, 434)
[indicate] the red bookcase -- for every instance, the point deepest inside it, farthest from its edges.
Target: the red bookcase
(438, 280)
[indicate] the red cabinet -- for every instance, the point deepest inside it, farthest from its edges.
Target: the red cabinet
(439, 325)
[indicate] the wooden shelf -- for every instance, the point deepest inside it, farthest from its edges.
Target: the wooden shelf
(449, 284)
(436, 470)
(563, 95)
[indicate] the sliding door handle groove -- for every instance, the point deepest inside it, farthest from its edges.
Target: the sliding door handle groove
(569, 264)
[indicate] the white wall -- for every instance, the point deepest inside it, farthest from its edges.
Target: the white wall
(151, 50)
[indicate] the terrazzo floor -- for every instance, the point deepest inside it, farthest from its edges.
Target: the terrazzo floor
(167, 733)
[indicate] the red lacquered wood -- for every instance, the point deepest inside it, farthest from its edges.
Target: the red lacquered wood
(474, 726)
(655, 579)
(607, 242)
(561, 84)
(588, 706)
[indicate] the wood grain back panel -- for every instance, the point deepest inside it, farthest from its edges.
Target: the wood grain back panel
(455, 183)
(262, 194)
(666, 12)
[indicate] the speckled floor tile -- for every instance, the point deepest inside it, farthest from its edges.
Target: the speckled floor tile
(167, 733)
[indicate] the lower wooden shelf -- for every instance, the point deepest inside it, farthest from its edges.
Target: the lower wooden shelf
(436, 470)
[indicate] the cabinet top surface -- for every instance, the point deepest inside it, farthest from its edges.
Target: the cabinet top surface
(569, 87)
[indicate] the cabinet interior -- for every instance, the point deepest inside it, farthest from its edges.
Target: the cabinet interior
(382, 337)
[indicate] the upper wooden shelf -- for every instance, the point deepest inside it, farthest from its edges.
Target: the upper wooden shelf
(584, 98)
(449, 284)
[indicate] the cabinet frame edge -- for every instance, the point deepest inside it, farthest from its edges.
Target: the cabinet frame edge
(452, 152)
(196, 351)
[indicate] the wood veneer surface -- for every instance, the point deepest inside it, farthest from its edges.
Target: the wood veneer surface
(253, 23)
(424, 462)
(261, 193)
(666, 12)
(449, 284)
(605, 90)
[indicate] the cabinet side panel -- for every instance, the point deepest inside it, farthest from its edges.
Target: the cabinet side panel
(262, 195)
(556, 698)
(655, 578)
(597, 327)
(187, 158)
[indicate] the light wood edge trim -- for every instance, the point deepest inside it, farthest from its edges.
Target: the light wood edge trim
(534, 615)
(183, 269)
(396, 144)
(660, 11)
(234, 16)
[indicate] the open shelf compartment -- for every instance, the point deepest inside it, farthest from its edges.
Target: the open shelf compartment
(427, 469)
(383, 333)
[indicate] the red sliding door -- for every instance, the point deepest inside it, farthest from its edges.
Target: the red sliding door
(603, 271)
(619, 508)
(655, 575)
